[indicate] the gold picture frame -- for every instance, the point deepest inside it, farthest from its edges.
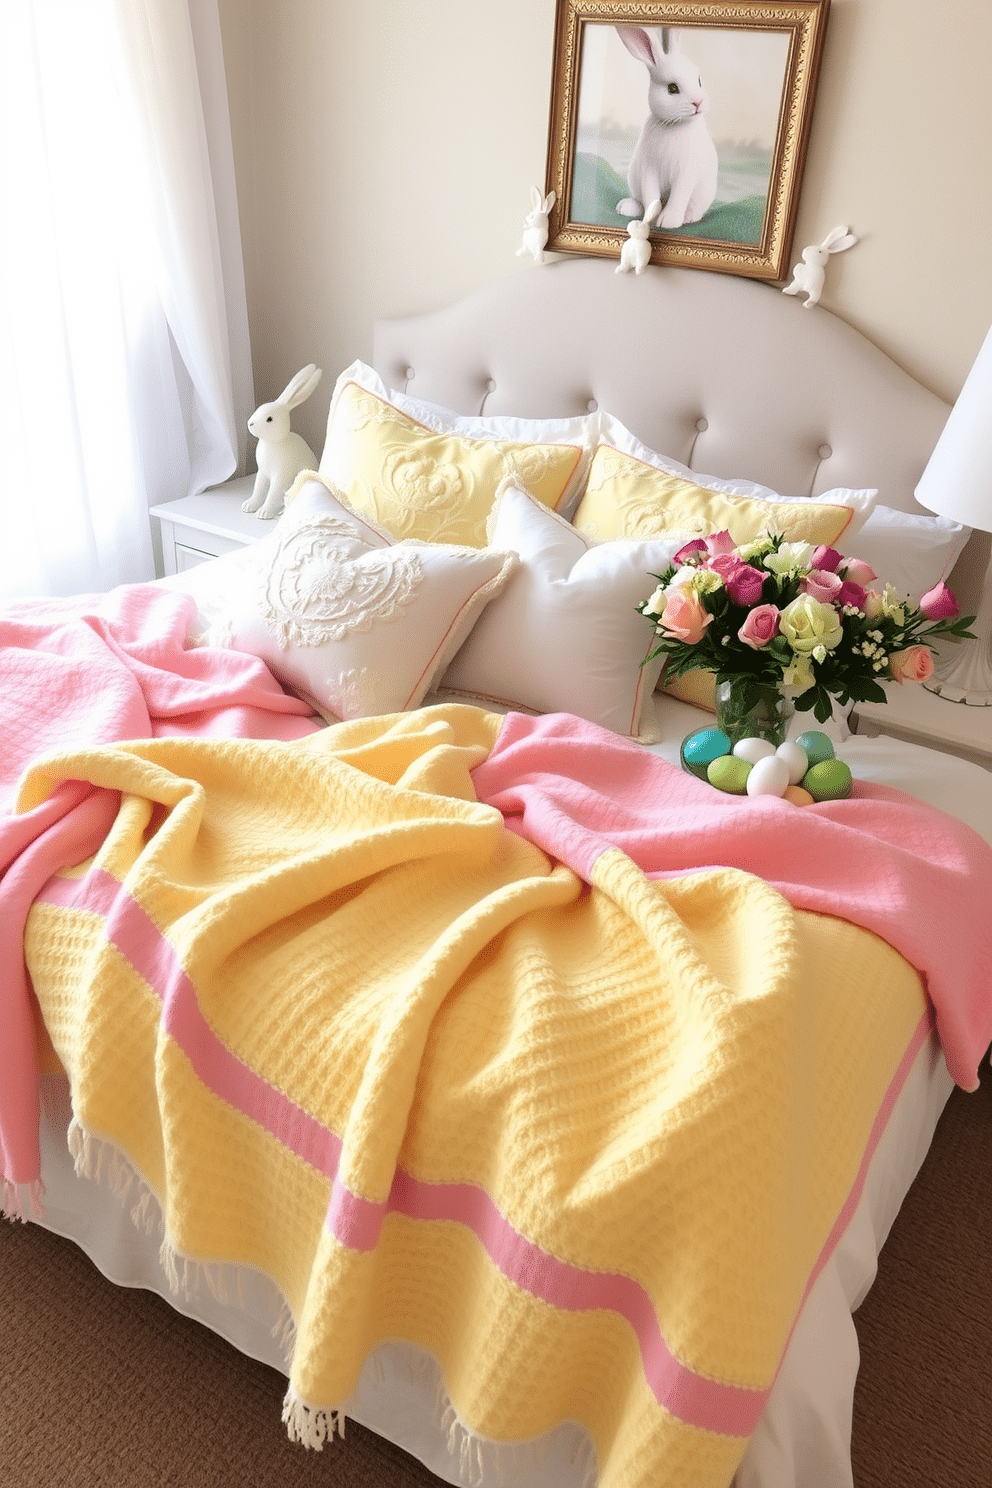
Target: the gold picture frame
(637, 91)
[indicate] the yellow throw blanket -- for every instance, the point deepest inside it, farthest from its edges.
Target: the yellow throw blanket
(586, 1145)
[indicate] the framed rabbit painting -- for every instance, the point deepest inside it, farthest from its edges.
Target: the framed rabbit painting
(685, 124)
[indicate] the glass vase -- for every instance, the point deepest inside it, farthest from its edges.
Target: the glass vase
(768, 719)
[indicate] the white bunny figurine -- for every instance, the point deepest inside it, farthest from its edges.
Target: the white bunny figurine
(808, 276)
(536, 226)
(280, 455)
(675, 158)
(635, 255)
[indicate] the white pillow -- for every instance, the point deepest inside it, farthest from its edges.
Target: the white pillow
(422, 472)
(349, 619)
(910, 551)
(861, 503)
(564, 636)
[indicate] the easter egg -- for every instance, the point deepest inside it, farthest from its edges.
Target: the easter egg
(796, 758)
(729, 774)
(769, 777)
(701, 747)
(830, 780)
(818, 746)
(753, 750)
(798, 796)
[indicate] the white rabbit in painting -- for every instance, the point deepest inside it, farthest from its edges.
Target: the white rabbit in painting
(280, 454)
(635, 255)
(675, 158)
(536, 225)
(808, 277)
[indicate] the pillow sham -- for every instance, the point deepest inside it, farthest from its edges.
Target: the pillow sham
(422, 472)
(633, 492)
(564, 635)
(348, 619)
(910, 551)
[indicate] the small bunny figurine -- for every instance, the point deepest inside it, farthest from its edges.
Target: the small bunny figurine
(280, 455)
(536, 226)
(636, 252)
(808, 276)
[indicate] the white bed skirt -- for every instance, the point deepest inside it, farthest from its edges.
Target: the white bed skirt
(802, 1440)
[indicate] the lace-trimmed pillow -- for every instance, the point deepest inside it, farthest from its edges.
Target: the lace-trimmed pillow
(349, 619)
(564, 636)
(422, 472)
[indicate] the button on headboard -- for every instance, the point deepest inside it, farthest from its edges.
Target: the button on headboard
(725, 374)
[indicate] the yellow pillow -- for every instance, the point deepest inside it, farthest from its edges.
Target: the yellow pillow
(626, 497)
(697, 688)
(437, 484)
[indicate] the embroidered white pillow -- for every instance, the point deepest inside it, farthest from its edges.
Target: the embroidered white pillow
(423, 472)
(564, 636)
(346, 617)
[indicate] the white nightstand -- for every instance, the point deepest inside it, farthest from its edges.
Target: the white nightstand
(922, 717)
(196, 528)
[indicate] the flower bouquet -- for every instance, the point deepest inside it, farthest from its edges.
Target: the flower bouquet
(775, 619)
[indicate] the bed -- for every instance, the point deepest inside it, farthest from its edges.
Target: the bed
(685, 376)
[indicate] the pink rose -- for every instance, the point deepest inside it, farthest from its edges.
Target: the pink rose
(825, 558)
(684, 617)
(742, 582)
(759, 627)
(691, 549)
(821, 584)
(938, 603)
(852, 594)
(720, 542)
(858, 572)
(915, 664)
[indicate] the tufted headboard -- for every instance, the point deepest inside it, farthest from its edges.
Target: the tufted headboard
(726, 374)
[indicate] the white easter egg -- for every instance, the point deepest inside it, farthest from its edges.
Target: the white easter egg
(769, 777)
(796, 758)
(753, 750)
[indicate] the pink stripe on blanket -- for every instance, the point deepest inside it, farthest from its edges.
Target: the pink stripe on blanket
(143, 945)
(96, 669)
(356, 1222)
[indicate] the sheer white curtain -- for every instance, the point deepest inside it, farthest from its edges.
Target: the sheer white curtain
(125, 372)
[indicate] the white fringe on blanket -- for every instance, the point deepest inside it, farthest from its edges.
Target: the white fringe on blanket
(480, 1461)
(22, 1201)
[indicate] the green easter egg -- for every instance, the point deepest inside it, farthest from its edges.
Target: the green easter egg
(818, 746)
(830, 780)
(729, 773)
(701, 747)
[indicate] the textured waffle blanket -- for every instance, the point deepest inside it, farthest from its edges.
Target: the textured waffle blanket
(578, 1107)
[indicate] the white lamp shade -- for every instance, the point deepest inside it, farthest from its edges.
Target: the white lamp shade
(957, 482)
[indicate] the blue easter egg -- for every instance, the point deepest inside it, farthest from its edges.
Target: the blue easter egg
(701, 748)
(818, 746)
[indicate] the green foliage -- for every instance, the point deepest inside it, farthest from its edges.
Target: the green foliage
(848, 659)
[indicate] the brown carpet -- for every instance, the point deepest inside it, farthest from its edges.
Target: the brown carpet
(106, 1388)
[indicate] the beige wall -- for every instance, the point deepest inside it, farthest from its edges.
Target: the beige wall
(385, 151)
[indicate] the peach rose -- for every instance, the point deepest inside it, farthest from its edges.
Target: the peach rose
(915, 664)
(684, 618)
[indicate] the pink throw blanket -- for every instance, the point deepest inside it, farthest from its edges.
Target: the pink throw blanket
(96, 669)
(917, 878)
